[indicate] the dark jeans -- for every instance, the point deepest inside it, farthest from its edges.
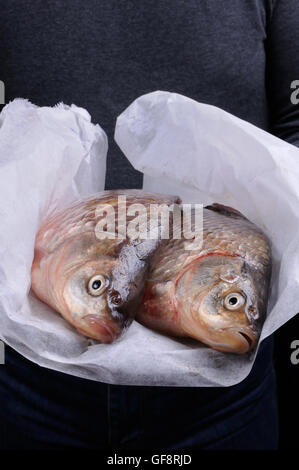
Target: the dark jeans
(44, 409)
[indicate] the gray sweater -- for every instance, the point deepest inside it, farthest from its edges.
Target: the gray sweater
(240, 55)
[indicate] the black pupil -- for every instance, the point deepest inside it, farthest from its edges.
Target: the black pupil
(233, 301)
(96, 285)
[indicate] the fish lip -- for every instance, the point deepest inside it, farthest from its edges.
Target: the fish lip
(101, 329)
(249, 337)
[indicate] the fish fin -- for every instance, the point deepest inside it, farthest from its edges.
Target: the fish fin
(225, 210)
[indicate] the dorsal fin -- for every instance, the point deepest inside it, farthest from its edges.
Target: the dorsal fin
(225, 210)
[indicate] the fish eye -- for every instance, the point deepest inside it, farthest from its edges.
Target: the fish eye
(97, 284)
(234, 301)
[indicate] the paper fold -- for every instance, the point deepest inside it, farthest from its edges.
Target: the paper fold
(205, 155)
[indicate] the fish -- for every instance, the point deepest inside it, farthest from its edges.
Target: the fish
(85, 271)
(216, 293)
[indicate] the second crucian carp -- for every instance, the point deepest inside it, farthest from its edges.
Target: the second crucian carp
(217, 294)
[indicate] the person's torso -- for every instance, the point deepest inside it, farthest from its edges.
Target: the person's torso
(103, 55)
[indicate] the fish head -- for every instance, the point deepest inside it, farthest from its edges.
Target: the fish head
(224, 301)
(97, 287)
(91, 303)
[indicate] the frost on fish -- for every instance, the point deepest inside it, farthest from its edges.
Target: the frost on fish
(95, 283)
(216, 294)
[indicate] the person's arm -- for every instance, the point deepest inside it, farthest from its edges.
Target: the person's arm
(282, 49)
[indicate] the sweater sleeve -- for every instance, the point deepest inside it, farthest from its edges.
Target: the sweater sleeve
(282, 69)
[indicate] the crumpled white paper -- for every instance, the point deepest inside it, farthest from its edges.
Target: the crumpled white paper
(50, 156)
(206, 155)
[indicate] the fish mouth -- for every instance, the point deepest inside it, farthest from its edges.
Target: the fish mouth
(248, 339)
(98, 328)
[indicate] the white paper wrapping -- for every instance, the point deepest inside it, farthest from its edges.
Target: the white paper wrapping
(206, 155)
(50, 156)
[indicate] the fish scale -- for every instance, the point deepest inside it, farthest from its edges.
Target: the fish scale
(221, 233)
